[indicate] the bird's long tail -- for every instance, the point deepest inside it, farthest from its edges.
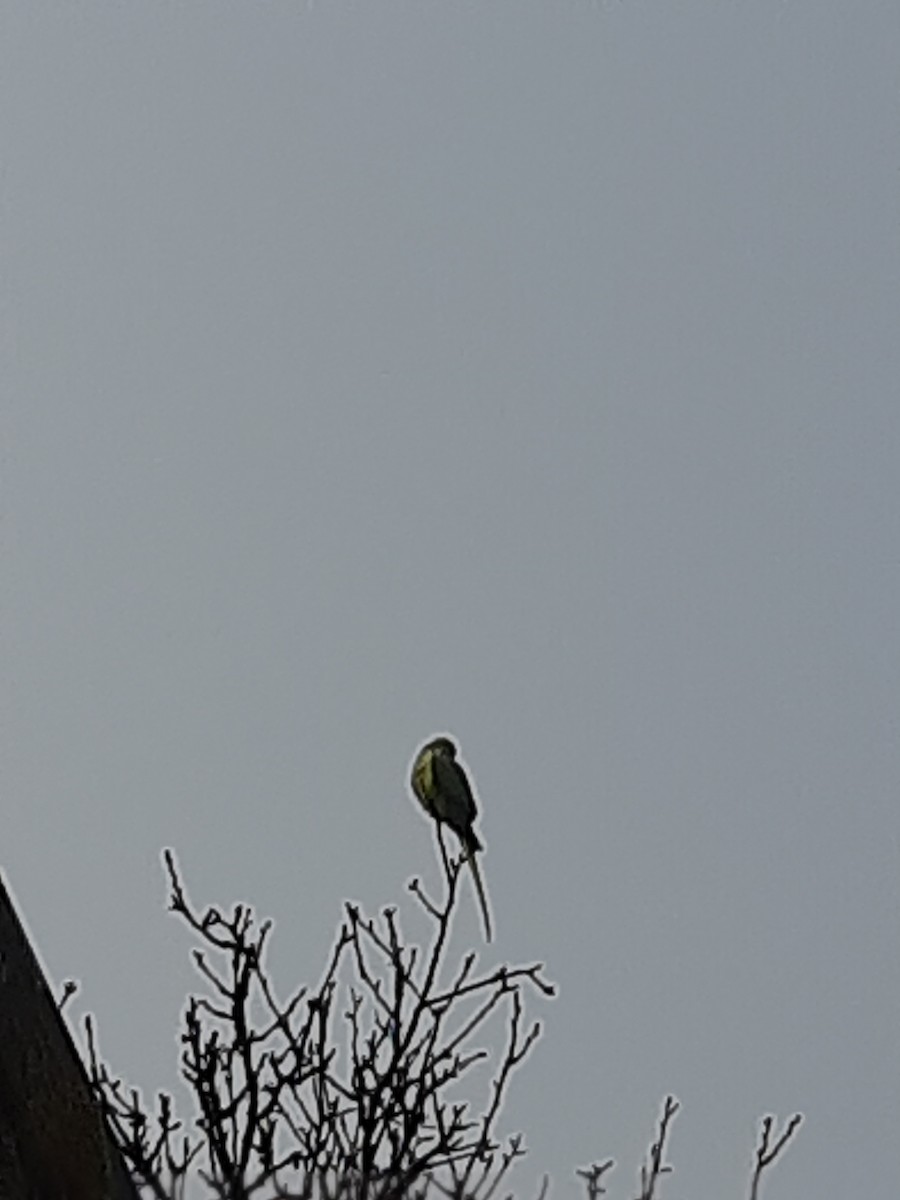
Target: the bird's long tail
(479, 888)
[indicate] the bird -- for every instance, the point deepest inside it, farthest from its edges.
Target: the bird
(441, 786)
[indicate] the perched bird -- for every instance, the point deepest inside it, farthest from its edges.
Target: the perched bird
(440, 785)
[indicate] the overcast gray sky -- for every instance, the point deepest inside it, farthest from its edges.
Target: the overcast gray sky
(523, 370)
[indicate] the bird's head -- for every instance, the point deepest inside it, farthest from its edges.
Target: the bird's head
(443, 745)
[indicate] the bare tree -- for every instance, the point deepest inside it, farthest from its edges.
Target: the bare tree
(349, 1090)
(346, 1090)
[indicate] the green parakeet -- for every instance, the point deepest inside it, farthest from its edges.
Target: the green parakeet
(441, 787)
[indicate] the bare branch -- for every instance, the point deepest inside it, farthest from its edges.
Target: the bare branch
(654, 1166)
(593, 1177)
(768, 1150)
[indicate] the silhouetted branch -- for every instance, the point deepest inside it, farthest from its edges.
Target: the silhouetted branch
(593, 1177)
(653, 1166)
(767, 1150)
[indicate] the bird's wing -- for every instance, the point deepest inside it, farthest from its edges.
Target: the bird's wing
(422, 780)
(454, 801)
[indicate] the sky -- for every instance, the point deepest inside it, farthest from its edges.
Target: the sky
(523, 371)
